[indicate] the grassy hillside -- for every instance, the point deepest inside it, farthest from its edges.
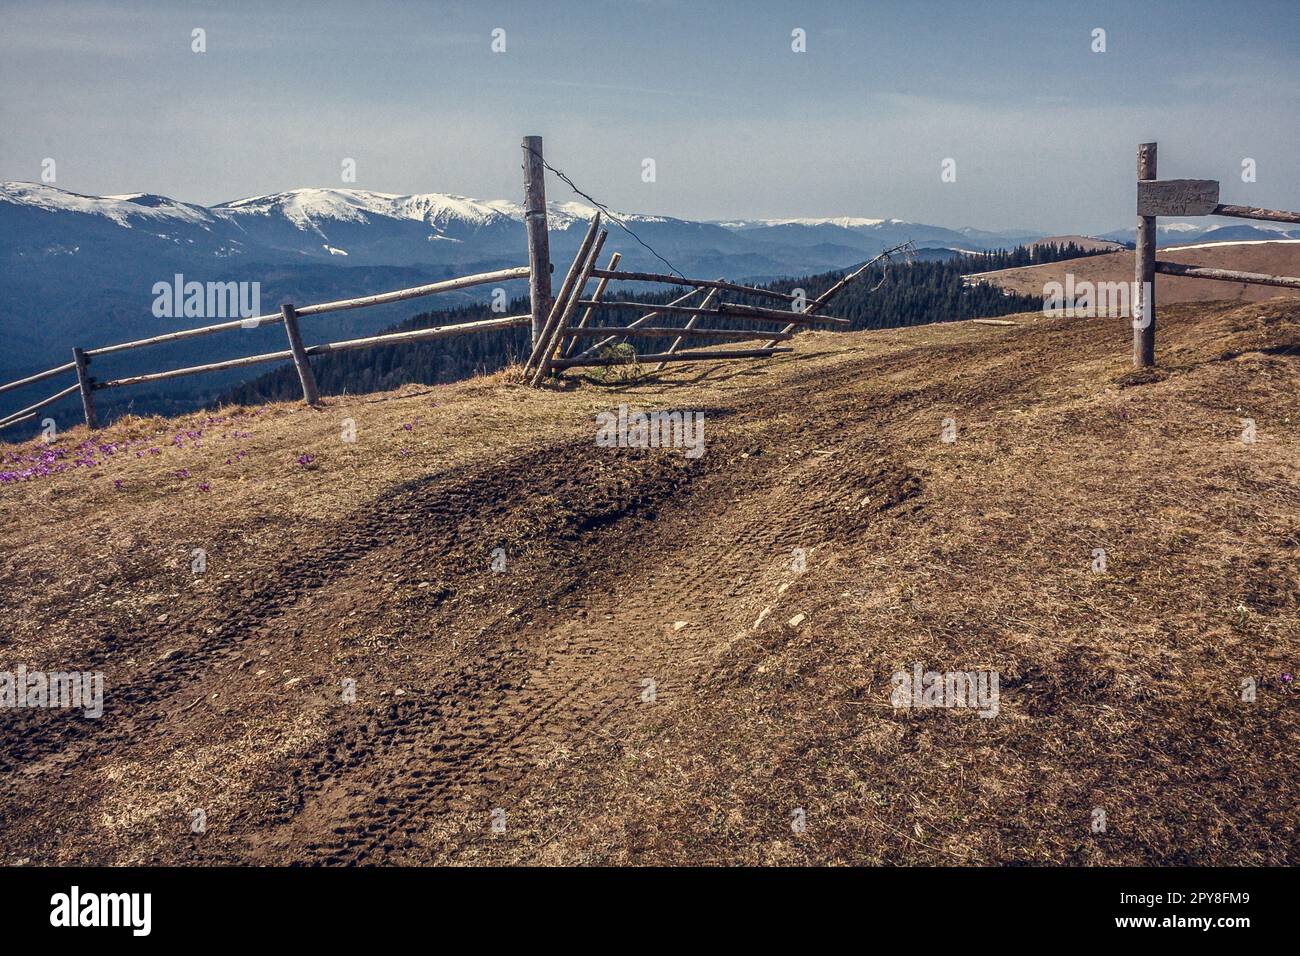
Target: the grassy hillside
(526, 691)
(1269, 258)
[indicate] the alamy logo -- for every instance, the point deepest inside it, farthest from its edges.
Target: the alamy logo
(976, 690)
(1091, 300)
(67, 689)
(103, 909)
(179, 299)
(651, 430)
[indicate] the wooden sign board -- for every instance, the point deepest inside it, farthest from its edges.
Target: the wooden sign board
(1177, 197)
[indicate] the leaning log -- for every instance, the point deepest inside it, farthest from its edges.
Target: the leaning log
(550, 352)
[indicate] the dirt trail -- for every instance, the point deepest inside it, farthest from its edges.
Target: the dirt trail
(479, 692)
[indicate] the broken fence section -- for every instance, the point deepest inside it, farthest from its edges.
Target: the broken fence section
(552, 354)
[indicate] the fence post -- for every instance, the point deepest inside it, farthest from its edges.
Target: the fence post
(539, 244)
(87, 386)
(1144, 299)
(310, 395)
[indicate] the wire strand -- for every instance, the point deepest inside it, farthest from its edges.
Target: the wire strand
(605, 209)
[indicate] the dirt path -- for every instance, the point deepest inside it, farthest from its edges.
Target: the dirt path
(479, 695)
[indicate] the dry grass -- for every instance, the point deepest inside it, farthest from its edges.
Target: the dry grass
(523, 691)
(1269, 258)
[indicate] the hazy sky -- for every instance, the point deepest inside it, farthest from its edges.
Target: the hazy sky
(1042, 129)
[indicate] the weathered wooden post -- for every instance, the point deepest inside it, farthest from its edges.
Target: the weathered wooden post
(1144, 297)
(556, 332)
(539, 244)
(87, 387)
(306, 377)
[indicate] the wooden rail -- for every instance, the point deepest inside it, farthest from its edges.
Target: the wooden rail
(391, 338)
(39, 377)
(31, 410)
(86, 385)
(1251, 212)
(1181, 197)
(729, 309)
(1225, 275)
(401, 295)
(719, 284)
(249, 323)
(717, 356)
(664, 332)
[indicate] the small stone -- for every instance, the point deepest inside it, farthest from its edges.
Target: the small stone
(796, 620)
(678, 625)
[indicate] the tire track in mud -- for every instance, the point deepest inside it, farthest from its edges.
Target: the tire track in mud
(484, 728)
(441, 511)
(475, 747)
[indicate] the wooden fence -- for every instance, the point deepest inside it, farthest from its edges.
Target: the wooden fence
(551, 355)
(550, 317)
(1181, 197)
(86, 385)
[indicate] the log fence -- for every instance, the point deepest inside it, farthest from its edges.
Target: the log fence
(552, 355)
(297, 352)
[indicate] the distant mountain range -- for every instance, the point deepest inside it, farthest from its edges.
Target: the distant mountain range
(80, 270)
(1209, 230)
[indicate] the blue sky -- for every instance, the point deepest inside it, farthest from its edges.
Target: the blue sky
(1042, 129)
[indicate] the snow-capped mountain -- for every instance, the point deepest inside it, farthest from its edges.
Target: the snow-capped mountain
(80, 269)
(365, 227)
(1209, 229)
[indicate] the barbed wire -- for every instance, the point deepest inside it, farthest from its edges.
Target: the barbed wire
(606, 210)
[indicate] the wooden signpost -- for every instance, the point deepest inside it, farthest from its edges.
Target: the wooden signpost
(1177, 197)
(1144, 277)
(1181, 197)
